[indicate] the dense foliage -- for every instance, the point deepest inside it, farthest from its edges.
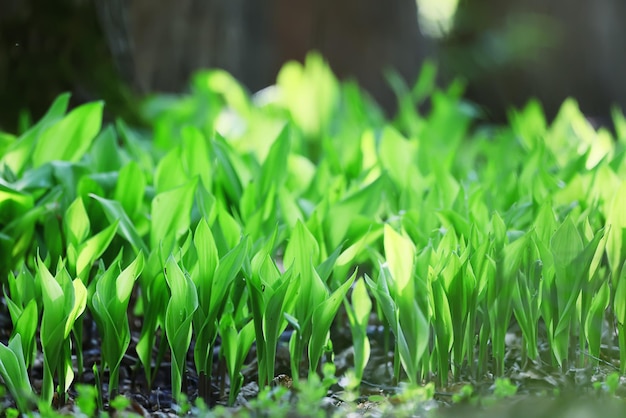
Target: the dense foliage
(238, 217)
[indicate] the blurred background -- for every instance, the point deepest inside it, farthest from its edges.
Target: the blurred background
(118, 50)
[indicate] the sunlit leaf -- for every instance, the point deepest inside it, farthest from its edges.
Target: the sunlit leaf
(400, 253)
(15, 375)
(115, 213)
(178, 316)
(171, 213)
(130, 189)
(20, 152)
(93, 248)
(70, 138)
(322, 319)
(76, 223)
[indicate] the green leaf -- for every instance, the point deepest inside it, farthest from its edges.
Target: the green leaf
(397, 155)
(529, 123)
(15, 375)
(366, 202)
(426, 82)
(302, 250)
(619, 122)
(358, 315)
(76, 223)
(257, 307)
(410, 350)
(178, 317)
(226, 272)
(169, 172)
(154, 296)
(171, 213)
(13, 204)
(70, 138)
(78, 306)
(570, 280)
(400, 254)
(109, 306)
(63, 302)
(271, 295)
(361, 303)
(51, 291)
(300, 173)
(616, 220)
(325, 268)
(235, 348)
(212, 297)
(105, 153)
(205, 280)
(442, 318)
(125, 282)
(226, 174)
(227, 232)
(208, 258)
(619, 304)
(93, 248)
(233, 92)
(323, 316)
(274, 168)
(20, 152)
(26, 326)
(139, 149)
(566, 243)
(310, 92)
(195, 156)
(282, 293)
(130, 189)
(115, 213)
(594, 320)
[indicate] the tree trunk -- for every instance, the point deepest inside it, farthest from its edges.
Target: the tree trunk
(180, 36)
(512, 50)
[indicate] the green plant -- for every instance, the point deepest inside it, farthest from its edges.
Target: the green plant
(109, 305)
(465, 394)
(82, 251)
(87, 400)
(15, 374)
(213, 279)
(271, 295)
(610, 384)
(154, 295)
(312, 390)
(527, 292)
(24, 310)
(358, 315)
(402, 301)
(572, 259)
(499, 292)
(64, 300)
(315, 307)
(504, 388)
(239, 216)
(236, 344)
(178, 317)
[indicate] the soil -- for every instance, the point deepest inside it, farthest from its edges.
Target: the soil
(377, 392)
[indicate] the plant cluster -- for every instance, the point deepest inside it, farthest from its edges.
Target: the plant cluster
(238, 217)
